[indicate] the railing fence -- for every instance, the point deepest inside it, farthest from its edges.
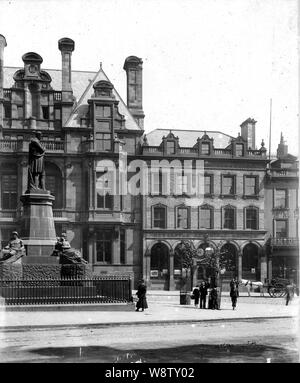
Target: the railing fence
(108, 289)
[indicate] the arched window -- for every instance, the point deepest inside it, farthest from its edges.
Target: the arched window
(251, 218)
(159, 217)
(228, 217)
(54, 184)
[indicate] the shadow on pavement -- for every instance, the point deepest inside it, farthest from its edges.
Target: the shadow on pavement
(201, 353)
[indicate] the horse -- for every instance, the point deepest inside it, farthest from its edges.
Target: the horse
(249, 284)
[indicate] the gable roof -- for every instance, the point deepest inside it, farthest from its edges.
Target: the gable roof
(188, 138)
(82, 85)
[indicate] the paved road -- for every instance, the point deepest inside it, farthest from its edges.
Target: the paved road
(265, 340)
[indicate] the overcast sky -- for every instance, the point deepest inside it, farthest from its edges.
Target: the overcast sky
(208, 65)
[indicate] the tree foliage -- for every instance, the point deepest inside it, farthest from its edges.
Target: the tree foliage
(189, 255)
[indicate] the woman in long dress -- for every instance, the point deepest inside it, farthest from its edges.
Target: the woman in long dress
(141, 294)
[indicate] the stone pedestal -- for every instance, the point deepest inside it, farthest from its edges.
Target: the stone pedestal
(38, 231)
(11, 270)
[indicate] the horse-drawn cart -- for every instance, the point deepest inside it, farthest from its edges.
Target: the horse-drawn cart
(277, 287)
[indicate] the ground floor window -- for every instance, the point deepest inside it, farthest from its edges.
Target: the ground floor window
(104, 246)
(285, 267)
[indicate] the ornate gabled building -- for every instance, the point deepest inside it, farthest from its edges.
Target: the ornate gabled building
(282, 214)
(83, 120)
(87, 127)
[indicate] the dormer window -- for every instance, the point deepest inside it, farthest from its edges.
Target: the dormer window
(170, 147)
(205, 148)
(103, 88)
(102, 111)
(239, 150)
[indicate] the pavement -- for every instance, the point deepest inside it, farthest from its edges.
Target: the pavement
(164, 308)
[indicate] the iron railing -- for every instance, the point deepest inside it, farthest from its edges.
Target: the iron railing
(102, 289)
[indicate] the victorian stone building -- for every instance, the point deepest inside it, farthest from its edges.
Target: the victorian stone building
(282, 214)
(85, 122)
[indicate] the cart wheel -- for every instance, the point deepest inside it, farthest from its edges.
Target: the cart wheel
(277, 292)
(271, 292)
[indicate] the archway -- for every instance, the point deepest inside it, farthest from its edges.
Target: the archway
(54, 184)
(159, 266)
(250, 262)
(230, 259)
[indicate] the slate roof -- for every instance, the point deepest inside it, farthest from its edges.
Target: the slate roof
(82, 84)
(188, 138)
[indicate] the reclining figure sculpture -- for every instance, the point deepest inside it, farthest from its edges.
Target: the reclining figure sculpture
(14, 250)
(67, 255)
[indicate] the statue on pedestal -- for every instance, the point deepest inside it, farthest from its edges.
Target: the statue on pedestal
(67, 255)
(14, 249)
(36, 167)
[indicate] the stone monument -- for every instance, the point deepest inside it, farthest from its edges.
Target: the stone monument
(38, 231)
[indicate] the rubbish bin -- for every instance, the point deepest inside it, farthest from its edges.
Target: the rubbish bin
(185, 298)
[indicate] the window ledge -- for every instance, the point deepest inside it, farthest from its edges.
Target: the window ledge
(280, 208)
(254, 196)
(233, 196)
(209, 195)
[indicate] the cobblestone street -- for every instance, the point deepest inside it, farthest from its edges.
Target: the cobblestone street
(270, 340)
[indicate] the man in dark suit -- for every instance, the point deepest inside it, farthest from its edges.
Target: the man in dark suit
(203, 294)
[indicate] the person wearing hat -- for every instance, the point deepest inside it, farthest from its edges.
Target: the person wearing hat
(141, 294)
(14, 246)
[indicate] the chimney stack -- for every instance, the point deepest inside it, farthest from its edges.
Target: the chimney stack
(134, 71)
(2, 46)
(248, 132)
(66, 46)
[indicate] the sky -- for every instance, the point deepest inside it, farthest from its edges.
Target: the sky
(207, 64)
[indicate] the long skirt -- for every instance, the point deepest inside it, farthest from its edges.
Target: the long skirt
(233, 300)
(142, 303)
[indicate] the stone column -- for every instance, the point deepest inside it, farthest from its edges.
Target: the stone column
(146, 264)
(91, 241)
(91, 185)
(171, 271)
(240, 264)
(263, 264)
(116, 246)
(270, 265)
(129, 246)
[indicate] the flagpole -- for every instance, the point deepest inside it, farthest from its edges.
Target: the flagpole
(270, 132)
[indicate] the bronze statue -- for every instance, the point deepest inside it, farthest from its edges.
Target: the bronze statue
(67, 255)
(13, 250)
(36, 167)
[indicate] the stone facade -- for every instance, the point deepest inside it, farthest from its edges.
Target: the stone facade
(84, 122)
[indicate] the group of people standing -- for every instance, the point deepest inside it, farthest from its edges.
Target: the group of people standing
(201, 292)
(204, 290)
